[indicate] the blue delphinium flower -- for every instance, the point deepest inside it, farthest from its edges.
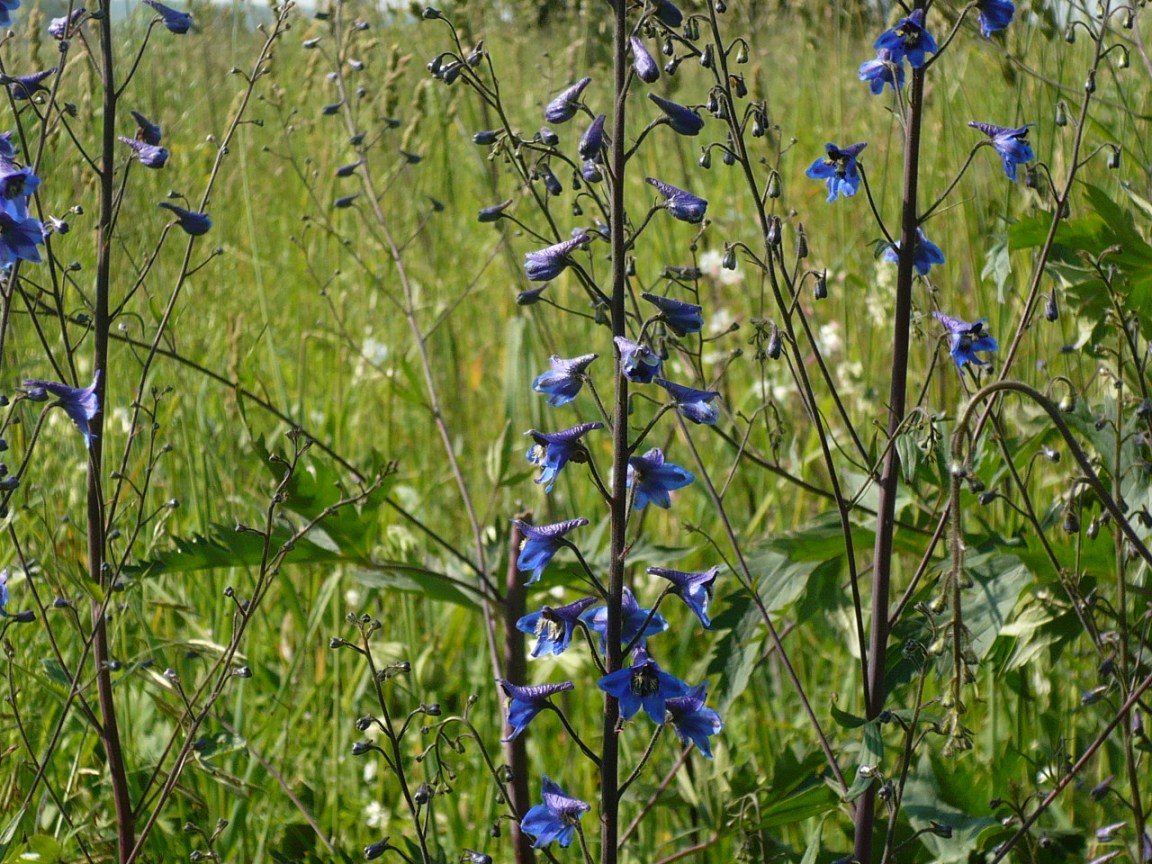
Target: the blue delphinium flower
(19, 239)
(592, 140)
(150, 156)
(654, 478)
(668, 12)
(194, 224)
(839, 169)
(552, 450)
(555, 819)
(643, 684)
(173, 20)
(26, 86)
(966, 339)
(647, 70)
(883, 70)
(695, 589)
(3, 591)
(634, 621)
(908, 39)
(924, 256)
(493, 213)
(541, 542)
(693, 404)
(81, 404)
(565, 378)
(1010, 143)
(638, 363)
(524, 703)
(681, 204)
(7, 148)
(994, 15)
(146, 130)
(65, 25)
(565, 105)
(553, 626)
(692, 720)
(17, 185)
(590, 171)
(7, 7)
(684, 121)
(549, 262)
(682, 318)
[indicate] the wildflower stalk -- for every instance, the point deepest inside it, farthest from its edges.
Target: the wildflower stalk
(516, 669)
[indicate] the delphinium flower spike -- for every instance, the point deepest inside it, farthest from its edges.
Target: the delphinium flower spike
(925, 254)
(553, 627)
(908, 39)
(80, 403)
(638, 363)
(541, 543)
(564, 380)
(642, 685)
(694, 405)
(692, 720)
(636, 622)
(555, 818)
(552, 450)
(966, 339)
(653, 479)
(839, 168)
(1011, 143)
(695, 589)
(524, 703)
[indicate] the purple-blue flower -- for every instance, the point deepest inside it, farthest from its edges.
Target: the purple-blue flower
(692, 720)
(549, 262)
(552, 450)
(693, 404)
(839, 169)
(553, 626)
(19, 239)
(681, 204)
(3, 591)
(646, 68)
(695, 589)
(17, 185)
(883, 70)
(634, 620)
(643, 684)
(653, 479)
(565, 105)
(65, 25)
(26, 86)
(1010, 143)
(966, 339)
(493, 213)
(638, 363)
(924, 256)
(150, 156)
(555, 819)
(80, 403)
(193, 223)
(590, 171)
(541, 542)
(6, 9)
(592, 140)
(994, 15)
(682, 318)
(668, 13)
(684, 121)
(908, 39)
(173, 20)
(564, 380)
(524, 703)
(146, 130)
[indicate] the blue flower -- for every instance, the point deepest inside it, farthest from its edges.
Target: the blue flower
(1010, 143)
(3, 591)
(638, 363)
(684, 121)
(17, 185)
(150, 155)
(553, 627)
(994, 15)
(692, 404)
(26, 86)
(564, 380)
(839, 168)
(493, 213)
(592, 140)
(564, 106)
(925, 255)
(6, 9)
(193, 223)
(146, 130)
(174, 21)
(680, 204)
(550, 262)
(65, 25)
(692, 720)
(668, 13)
(555, 819)
(541, 542)
(19, 238)
(81, 404)
(908, 39)
(524, 703)
(653, 479)
(552, 450)
(551, 183)
(590, 171)
(883, 70)
(646, 68)
(643, 684)
(7, 148)
(695, 589)
(682, 318)
(966, 339)
(633, 620)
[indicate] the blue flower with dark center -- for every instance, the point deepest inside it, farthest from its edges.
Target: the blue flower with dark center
(493, 213)
(653, 479)
(564, 106)
(553, 627)
(908, 39)
(565, 378)
(695, 589)
(924, 255)
(173, 20)
(193, 223)
(682, 318)
(19, 239)
(541, 542)
(150, 156)
(681, 204)
(524, 703)
(883, 70)
(684, 121)
(994, 15)
(647, 70)
(839, 169)
(17, 185)
(81, 404)
(638, 363)
(1011, 143)
(692, 720)
(552, 450)
(966, 339)
(550, 262)
(146, 130)
(643, 684)
(26, 86)
(693, 404)
(634, 621)
(65, 25)
(555, 819)
(592, 140)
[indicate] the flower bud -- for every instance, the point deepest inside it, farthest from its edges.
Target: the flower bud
(371, 853)
(821, 290)
(1051, 308)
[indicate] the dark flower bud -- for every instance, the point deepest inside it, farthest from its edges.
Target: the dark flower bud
(432, 710)
(359, 748)
(476, 54)
(347, 170)
(742, 54)
(736, 82)
(646, 68)
(431, 14)
(451, 72)
(705, 159)
(242, 672)
(728, 157)
(337, 642)
(593, 139)
(1061, 118)
(1093, 529)
(1071, 524)
(775, 344)
(1051, 454)
(1070, 35)
(61, 603)
(423, 794)
(706, 57)
(720, 6)
(1090, 83)
(486, 138)
(1144, 409)
(363, 723)
(530, 296)
(1114, 158)
(548, 137)
(691, 29)
(940, 829)
(801, 244)
(25, 617)
(1091, 697)
(987, 498)
(1051, 309)
(550, 182)
(821, 290)
(772, 238)
(1100, 790)
(311, 43)
(371, 853)
(1067, 404)
(329, 110)
(1032, 178)
(729, 260)
(671, 66)
(346, 201)
(493, 213)
(590, 171)
(774, 185)
(476, 857)
(667, 49)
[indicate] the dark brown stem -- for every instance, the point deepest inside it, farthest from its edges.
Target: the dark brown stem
(516, 670)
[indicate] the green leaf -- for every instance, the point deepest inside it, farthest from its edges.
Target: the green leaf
(41, 849)
(413, 579)
(224, 547)
(998, 266)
